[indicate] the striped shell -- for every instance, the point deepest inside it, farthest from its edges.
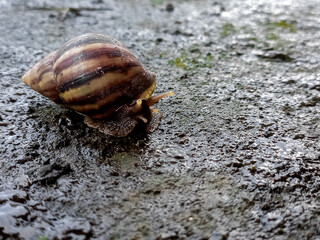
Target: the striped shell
(97, 76)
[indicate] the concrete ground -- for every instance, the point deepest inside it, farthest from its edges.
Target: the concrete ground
(236, 155)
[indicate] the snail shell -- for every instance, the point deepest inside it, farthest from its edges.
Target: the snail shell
(97, 76)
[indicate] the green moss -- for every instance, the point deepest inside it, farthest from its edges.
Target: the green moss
(156, 2)
(222, 55)
(228, 29)
(255, 39)
(272, 36)
(42, 238)
(178, 62)
(282, 24)
(192, 59)
(204, 62)
(161, 55)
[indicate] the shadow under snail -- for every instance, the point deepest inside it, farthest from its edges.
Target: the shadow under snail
(98, 77)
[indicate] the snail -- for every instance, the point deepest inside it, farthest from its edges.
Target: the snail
(98, 77)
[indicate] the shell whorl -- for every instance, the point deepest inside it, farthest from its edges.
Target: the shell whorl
(92, 74)
(41, 78)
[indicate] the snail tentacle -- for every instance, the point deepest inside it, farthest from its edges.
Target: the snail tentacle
(154, 99)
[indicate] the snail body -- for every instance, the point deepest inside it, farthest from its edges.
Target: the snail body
(98, 77)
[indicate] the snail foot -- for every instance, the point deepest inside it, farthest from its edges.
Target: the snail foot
(115, 127)
(125, 119)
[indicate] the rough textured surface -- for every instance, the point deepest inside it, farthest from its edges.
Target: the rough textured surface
(237, 153)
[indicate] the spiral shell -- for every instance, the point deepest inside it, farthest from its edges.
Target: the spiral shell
(97, 76)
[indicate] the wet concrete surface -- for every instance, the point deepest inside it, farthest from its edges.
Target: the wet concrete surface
(237, 153)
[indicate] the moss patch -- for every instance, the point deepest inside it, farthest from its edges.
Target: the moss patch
(192, 58)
